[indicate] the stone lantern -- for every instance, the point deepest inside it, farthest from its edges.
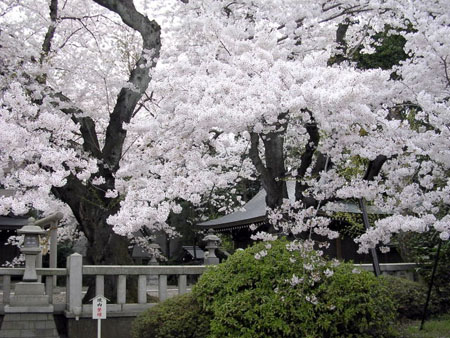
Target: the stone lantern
(152, 280)
(212, 243)
(29, 297)
(30, 249)
(30, 293)
(156, 247)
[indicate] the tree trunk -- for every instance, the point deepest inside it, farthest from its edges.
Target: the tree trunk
(273, 171)
(104, 247)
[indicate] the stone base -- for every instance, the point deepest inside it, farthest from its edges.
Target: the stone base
(29, 295)
(29, 288)
(28, 325)
(29, 309)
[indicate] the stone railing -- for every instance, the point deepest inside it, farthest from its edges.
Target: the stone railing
(76, 271)
(71, 305)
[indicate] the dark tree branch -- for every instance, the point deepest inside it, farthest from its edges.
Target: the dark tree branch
(256, 159)
(311, 146)
(347, 11)
(47, 44)
(87, 126)
(307, 156)
(374, 167)
(139, 79)
(444, 61)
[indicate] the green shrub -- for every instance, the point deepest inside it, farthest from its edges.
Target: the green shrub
(425, 246)
(262, 298)
(410, 297)
(177, 317)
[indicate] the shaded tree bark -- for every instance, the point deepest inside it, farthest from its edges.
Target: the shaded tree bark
(272, 170)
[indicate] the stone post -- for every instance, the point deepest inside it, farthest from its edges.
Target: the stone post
(54, 247)
(212, 243)
(52, 222)
(75, 271)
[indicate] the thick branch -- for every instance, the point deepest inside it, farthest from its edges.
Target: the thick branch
(256, 159)
(139, 79)
(87, 127)
(311, 146)
(374, 167)
(347, 11)
(47, 44)
(444, 61)
(307, 156)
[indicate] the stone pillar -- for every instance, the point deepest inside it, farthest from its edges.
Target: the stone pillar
(75, 280)
(51, 222)
(54, 248)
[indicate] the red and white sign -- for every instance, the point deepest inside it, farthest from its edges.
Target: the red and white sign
(99, 307)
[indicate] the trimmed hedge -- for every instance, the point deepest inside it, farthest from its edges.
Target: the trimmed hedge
(410, 298)
(177, 317)
(247, 297)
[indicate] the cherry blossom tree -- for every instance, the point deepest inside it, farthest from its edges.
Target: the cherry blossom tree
(118, 116)
(281, 78)
(66, 99)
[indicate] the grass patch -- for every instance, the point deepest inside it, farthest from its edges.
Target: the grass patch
(438, 327)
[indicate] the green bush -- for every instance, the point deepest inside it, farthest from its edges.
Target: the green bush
(262, 298)
(410, 298)
(177, 317)
(425, 250)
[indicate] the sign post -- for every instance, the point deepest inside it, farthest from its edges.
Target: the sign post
(99, 312)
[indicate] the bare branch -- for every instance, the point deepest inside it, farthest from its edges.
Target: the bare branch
(79, 18)
(355, 48)
(142, 104)
(225, 47)
(68, 38)
(326, 9)
(347, 11)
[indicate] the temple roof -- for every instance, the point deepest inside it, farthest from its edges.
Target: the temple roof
(254, 211)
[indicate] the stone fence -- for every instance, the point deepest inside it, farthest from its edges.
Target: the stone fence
(72, 306)
(73, 319)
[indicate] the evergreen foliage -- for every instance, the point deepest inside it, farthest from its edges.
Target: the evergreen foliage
(178, 317)
(288, 294)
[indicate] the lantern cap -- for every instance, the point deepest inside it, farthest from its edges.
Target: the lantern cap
(211, 237)
(31, 229)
